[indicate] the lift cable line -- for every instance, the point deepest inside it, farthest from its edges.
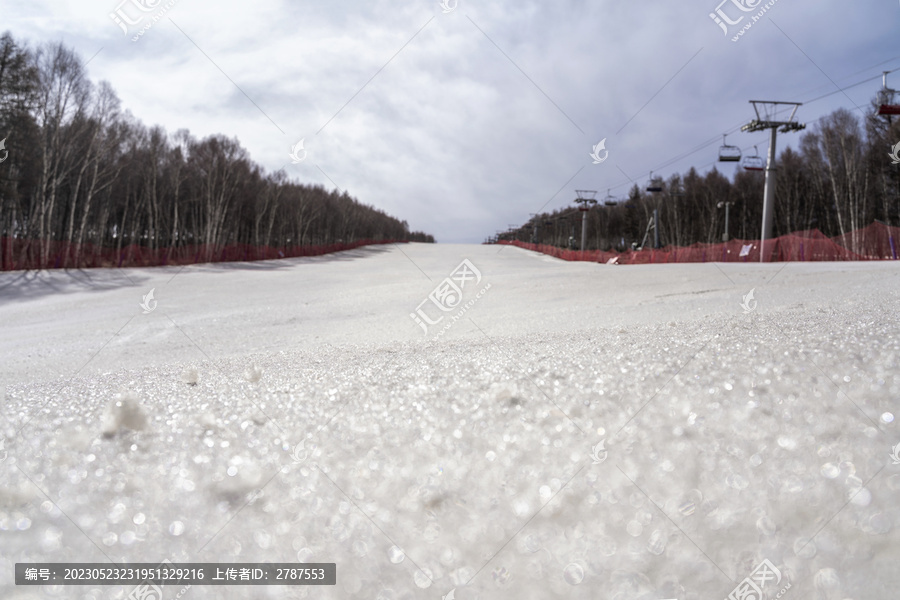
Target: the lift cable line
(846, 87)
(765, 119)
(711, 141)
(705, 144)
(684, 155)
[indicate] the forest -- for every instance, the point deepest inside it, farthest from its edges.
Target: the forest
(78, 169)
(840, 179)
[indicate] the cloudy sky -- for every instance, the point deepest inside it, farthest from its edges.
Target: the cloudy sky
(465, 118)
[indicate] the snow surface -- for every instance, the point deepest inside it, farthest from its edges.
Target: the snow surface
(292, 410)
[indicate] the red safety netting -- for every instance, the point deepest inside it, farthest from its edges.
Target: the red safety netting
(875, 242)
(23, 254)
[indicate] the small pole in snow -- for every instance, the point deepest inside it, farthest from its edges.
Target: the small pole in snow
(727, 206)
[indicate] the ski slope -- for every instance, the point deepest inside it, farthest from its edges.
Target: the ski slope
(582, 431)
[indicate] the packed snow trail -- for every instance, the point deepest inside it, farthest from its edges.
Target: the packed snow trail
(582, 431)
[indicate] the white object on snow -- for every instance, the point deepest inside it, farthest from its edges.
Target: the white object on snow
(124, 412)
(253, 374)
(190, 376)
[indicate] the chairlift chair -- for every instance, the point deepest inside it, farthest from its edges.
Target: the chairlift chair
(753, 163)
(655, 185)
(886, 98)
(729, 153)
(585, 199)
(609, 200)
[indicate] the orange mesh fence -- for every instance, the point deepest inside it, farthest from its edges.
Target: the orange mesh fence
(875, 242)
(24, 254)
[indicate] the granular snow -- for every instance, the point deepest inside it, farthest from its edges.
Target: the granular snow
(658, 452)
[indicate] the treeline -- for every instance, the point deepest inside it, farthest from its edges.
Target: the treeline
(840, 179)
(78, 169)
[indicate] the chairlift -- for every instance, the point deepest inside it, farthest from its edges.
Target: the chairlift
(753, 163)
(886, 98)
(729, 153)
(609, 200)
(655, 185)
(585, 199)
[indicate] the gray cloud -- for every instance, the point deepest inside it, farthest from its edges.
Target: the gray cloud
(475, 122)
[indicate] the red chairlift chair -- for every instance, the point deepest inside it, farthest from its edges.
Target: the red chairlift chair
(886, 98)
(753, 163)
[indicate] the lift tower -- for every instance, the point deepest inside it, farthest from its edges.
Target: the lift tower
(766, 112)
(585, 198)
